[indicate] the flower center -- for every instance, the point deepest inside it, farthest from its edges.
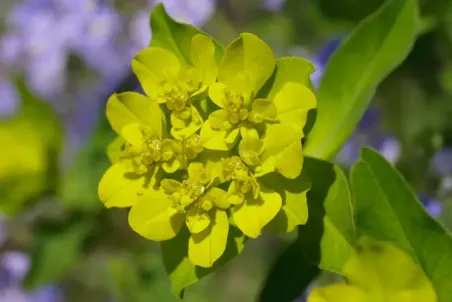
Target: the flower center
(192, 146)
(236, 171)
(176, 93)
(192, 194)
(235, 107)
(150, 151)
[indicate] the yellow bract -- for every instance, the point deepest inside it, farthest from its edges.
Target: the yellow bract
(160, 167)
(379, 272)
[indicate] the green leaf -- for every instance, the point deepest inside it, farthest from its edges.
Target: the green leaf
(28, 166)
(387, 209)
(326, 240)
(42, 115)
(289, 276)
(175, 36)
(78, 187)
(329, 235)
(378, 271)
(56, 252)
(179, 268)
(375, 48)
(288, 69)
(294, 211)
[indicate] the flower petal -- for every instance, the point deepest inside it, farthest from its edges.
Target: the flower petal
(338, 293)
(131, 107)
(219, 197)
(217, 93)
(265, 107)
(220, 140)
(207, 247)
(254, 214)
(203, 58)
(250, 58)
(152, 217)
(171, 185)
(152, 65)
(293, 102)
(115, 149)
(121, 189)
(190, 126)
(283, 143)
(196, 220)
(250, 147)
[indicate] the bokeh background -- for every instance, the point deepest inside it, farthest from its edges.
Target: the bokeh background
(61, 59)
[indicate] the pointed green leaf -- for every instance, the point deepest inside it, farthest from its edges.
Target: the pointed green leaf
(378, 45)
(175, 36)
(329, 235)
(325, 241)
(288, 69)
(179, 268)
(56, 252)
(379, 271)
(387, 209)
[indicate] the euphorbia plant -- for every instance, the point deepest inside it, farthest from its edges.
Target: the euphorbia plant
(203, 148)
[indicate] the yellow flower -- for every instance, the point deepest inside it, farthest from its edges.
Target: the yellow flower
(247, 65)
(165, 79)
(160, 214)
(145, 149)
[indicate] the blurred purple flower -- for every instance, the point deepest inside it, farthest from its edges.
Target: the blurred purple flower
(195, 12)
(442, 162)
(273, 5)
(2, 237)
(47, 74)
(13, 268)
(139, 30)
(320, 59)
(433, 206)
(387, 145)
(9, 102)
(11, 49)
(76, 6)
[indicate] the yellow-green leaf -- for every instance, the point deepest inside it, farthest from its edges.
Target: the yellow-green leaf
(254, 214)
(152, 217)
(282, 143)
(131, 107)
(119, 188)
(152, 65)
(293, 103)
(249, 58)
(379, 272)
(206, 247)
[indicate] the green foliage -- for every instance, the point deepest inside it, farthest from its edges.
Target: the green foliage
(56, 252)
(222, 175)
(28, 161)
(378, 271)
(179, 268)
(174, 36)
(326, 241)
(387, 209)
(376, 46)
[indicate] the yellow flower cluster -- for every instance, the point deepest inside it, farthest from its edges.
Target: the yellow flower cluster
(192, 151)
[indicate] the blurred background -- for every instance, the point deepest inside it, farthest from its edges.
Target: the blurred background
(61, 59)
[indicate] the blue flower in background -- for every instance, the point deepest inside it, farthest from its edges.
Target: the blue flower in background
(9, 100)
(13, 268)
(320, 59)
(433, 206)
(195, 12)
(442, 162)
(273, 5)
